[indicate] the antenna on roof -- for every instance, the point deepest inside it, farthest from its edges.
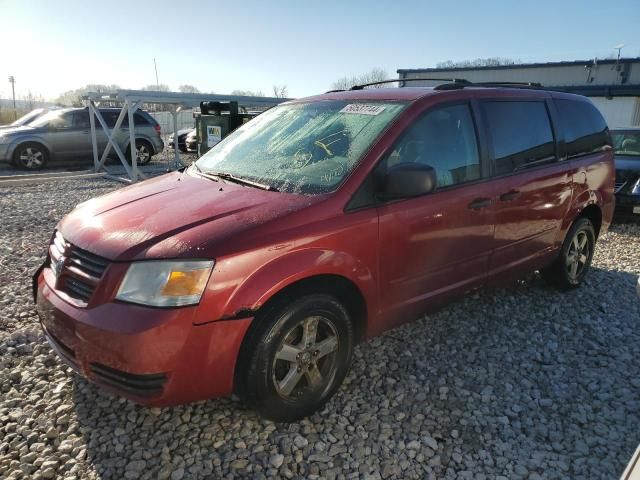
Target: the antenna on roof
(619, 48)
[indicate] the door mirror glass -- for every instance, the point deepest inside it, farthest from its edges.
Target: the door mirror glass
(408, 180)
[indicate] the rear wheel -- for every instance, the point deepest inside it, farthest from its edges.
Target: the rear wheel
(31, 156)
(574, 261)
(295, 358)
(144, 152)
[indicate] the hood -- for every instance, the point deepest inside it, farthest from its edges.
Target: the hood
(184, 131)
(175, 215)
(627, 162)
(8, 130)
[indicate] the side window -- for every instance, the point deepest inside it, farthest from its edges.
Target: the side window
(138, 119)
(62, 121)
(445, 139)
(521, 134)
(81, 120)
(585, 131)
(110, 118)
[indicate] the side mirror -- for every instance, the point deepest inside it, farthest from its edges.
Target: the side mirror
(408, 180)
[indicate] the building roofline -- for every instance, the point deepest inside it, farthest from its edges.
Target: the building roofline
(519, 65)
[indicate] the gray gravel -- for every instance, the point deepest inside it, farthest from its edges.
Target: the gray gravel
(519, 383)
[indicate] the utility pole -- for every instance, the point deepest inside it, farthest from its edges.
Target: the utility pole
(155, 66)
(12, 81)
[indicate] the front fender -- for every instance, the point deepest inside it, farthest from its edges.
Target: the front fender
(257, 288)
(25, 139)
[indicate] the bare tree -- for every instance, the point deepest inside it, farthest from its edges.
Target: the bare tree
(375, 75)
(156, 88)
(478, 62)
(280, 91)
(31, 101)
(248, 93)
(73, 98)
(188, 89)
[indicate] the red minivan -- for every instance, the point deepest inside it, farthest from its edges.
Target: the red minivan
(320, 223)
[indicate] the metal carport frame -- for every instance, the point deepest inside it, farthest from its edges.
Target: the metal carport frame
(131, 100)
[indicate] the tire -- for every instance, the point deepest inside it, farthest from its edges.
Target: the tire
(31, 156)
(282, 376)
(572, 265)
(144, 148)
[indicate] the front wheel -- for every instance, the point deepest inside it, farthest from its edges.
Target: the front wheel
(574, 261)
(31, 156)
(295, 358)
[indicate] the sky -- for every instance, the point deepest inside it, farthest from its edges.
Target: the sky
(52, 46)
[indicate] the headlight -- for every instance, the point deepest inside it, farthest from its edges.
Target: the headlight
(165, 283)
(636, 188)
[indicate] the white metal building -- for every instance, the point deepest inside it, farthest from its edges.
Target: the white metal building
(613, 85)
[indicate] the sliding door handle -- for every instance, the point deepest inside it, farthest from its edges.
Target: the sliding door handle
(510, 195)
(479, 203)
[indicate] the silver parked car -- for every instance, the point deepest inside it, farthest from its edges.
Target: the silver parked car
(66, 133)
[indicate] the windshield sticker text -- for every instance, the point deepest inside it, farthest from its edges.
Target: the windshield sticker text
(363, 109)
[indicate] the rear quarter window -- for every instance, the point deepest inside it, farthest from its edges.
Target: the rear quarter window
(585, 130)
(141, 119)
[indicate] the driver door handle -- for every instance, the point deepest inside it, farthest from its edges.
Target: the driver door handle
(510, 195)
(479, 203)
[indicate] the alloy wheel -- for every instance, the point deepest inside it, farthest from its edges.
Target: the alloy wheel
(32, 158)
(306, 359)
(578, 255)
(142, 154)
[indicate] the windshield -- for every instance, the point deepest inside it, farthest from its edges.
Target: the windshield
(626, 143)
(302, 148)
(25, 119)
(45, 119)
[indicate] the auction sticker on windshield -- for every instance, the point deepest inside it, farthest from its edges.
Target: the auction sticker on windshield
(363, 109)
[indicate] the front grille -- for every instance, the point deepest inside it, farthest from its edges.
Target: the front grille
(143, 385)
(619, 186)
(78, 271)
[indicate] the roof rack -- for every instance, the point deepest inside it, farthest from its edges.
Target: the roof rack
(448, 83)
(453, 86)
(395, 80)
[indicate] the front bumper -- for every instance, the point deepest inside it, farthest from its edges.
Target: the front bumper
(626, 203)
(152, 356)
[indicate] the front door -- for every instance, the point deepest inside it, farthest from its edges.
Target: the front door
(83, 145)
(439, 243)
(61, 135)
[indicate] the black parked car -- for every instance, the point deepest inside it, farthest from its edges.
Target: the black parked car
(626, 144)
(182, 135)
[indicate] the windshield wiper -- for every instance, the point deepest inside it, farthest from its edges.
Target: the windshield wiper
(210, 176)
(242, 181)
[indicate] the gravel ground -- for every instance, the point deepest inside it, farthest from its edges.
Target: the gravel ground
(518, 383)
